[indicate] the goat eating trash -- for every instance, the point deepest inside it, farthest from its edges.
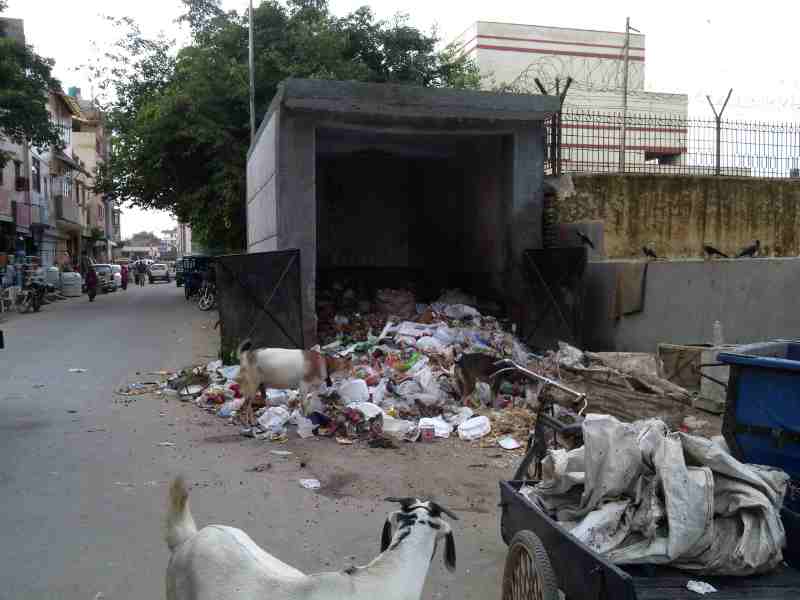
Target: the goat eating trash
(223, 562)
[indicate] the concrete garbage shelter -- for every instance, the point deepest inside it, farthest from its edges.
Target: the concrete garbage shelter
(388, 177)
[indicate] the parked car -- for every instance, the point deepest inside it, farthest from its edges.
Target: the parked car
(158, 272)
(105, 278)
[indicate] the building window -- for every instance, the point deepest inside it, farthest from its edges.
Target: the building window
(17, 169)
(36, 175)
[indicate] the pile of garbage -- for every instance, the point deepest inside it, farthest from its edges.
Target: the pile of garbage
(397, 384)
(403, 377)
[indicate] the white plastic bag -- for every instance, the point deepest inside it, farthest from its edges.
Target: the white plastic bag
(354, 390)
(274, 419)
(463, 414)
(431, 345)
(368, 409)
(474, 428)
(441, 428)
(461, 311)
(397, 428)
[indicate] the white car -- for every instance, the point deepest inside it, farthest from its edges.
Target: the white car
(158, 271)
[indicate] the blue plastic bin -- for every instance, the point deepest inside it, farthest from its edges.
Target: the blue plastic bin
(762, 417)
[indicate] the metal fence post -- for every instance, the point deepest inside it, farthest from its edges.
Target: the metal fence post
(718, 118)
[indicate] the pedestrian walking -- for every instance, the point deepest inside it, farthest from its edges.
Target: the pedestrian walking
(124, 275)
(141, 271)
(91, 283)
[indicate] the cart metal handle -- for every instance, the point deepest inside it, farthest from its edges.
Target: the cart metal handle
(509, 366)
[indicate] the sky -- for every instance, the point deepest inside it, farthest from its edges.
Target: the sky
(696, 48)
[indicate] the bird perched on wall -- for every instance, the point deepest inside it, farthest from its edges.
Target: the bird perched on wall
(649, 252)
(585, 239)
(711, 252)
(750, 251)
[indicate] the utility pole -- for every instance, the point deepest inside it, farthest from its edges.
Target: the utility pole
(623, 132)
(252, 81)
(718, 119)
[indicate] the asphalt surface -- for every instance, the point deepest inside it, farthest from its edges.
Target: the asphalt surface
(84, 474)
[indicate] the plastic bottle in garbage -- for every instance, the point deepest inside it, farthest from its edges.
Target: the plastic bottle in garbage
(717, 338)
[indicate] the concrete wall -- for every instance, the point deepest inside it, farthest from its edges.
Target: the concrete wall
(296, 207)
(751, 298)
(678, 215)
(262, 218)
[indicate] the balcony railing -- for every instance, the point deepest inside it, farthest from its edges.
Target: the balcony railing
(66, 210)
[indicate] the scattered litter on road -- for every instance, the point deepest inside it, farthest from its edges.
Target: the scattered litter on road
(310, 484)
(283, 453)
(700, 587)
(124, 484)
(39, 385)
(344, 441)
(71, 411)
(262, 468)
(166, 444)
(77, 370)
(139, 389)
(508, 443)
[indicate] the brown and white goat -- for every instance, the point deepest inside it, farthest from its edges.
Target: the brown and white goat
(283, 369)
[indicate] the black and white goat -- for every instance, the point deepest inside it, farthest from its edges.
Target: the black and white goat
(223, 562)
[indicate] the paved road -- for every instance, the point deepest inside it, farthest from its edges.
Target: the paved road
(83, 477)
(68, 530)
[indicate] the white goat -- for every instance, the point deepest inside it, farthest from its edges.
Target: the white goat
(223, 562)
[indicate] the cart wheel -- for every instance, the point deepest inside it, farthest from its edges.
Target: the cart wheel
(528, 574)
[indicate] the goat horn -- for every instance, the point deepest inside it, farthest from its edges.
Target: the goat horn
(402, 501)
(449, 513)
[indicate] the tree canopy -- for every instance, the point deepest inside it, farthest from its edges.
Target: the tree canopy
(25, 79)
(180, 116)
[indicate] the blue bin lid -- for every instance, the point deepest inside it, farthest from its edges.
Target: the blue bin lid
(750, 360)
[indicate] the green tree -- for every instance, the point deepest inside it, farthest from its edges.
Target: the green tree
(180, 116)
(25, 79)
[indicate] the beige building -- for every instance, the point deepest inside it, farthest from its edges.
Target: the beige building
(90, 145)
(513, 56)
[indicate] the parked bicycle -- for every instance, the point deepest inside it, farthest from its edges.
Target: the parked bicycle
(208, 296)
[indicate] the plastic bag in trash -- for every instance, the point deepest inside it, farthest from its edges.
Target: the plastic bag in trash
(368, 409)
(274, 419)
(354, 390)
(463, 414)
(474, 428)
(397, 428)
(213, 366)
(461, 311)
(430, 344)
(378, 393)
(230, 407)
(229, 372)
(441, 427)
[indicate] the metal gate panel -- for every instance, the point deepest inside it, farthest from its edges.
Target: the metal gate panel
(259, 298)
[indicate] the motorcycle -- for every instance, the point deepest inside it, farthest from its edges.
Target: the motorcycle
(31, 297)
